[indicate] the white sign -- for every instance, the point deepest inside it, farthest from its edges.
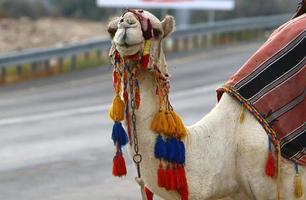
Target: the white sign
(168, 4)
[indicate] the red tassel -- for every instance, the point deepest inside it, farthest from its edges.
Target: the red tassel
(179, 179)
(161, 176)
(137, 98)
(270, 167)
(149, 194)
(182, 175)
(119, 168)
(145, 61)
(125, 95)
(115, 79)
(117, 56)
(172, 183)
(168, 178)
(184, 191)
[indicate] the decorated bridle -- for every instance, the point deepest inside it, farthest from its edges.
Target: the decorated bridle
(168, 126)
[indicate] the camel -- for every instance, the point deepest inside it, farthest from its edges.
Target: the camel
(224, 157)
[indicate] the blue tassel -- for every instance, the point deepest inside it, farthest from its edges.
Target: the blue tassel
(180, 152)
(160, 150)
(171, 145)
(119, 135)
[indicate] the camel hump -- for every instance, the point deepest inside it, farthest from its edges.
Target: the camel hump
(271, 85)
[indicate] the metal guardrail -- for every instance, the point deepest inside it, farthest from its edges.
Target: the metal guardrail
(201, 34)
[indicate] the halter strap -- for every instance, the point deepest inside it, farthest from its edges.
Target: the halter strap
(146, 26)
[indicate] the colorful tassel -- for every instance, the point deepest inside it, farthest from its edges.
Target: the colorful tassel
(180, 127)
(116, 111)
(159, 123)
(184, 191)
(179, 180)
(182, 173)
(137, 94)
(119, 135)
(298, 189)
(115, 79)
(242, 114)
(171, 125)
(148, 193)
(161, 176)
(171, 146)
(119, 167)
(172, 181)
(270, 165)
(146, 54)
(145, 61)
(160, 149)
(169, 178)
(180, 152)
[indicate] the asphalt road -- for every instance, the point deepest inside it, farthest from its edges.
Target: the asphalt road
(55, 134)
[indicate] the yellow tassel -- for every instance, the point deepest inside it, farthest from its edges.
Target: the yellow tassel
(242, 115)
(147, 47)
(180, 127)
(116, 111)
(159, 123)
(155, 121)
(171, 125)
(298, 190)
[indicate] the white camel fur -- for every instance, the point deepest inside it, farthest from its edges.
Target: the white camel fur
(223, 156)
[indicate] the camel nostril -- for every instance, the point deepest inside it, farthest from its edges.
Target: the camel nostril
(121, 20)
(131, 22)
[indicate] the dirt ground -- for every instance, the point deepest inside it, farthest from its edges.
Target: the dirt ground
(24, 33)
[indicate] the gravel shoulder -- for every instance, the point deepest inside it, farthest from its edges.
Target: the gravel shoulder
(24, 33)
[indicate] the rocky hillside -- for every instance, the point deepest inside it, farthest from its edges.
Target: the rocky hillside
(23, 33)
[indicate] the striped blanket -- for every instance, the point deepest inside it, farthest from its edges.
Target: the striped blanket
(271, 85)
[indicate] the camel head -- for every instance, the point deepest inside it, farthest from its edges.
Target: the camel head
(130, 31)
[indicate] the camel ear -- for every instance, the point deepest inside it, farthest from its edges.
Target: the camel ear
(168, 25)
(113, 26)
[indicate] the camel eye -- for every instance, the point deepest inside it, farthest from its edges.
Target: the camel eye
(157, 33)
(121, 20)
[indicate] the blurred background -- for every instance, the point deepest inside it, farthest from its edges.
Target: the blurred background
(46, 22)
(55, 85)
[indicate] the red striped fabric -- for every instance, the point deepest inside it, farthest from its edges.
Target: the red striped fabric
(279, 95)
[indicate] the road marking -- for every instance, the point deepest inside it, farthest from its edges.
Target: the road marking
(187, 93)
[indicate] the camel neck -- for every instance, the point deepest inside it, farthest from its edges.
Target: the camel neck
(217, 134)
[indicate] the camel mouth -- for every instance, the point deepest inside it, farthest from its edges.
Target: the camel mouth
(126, 45)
